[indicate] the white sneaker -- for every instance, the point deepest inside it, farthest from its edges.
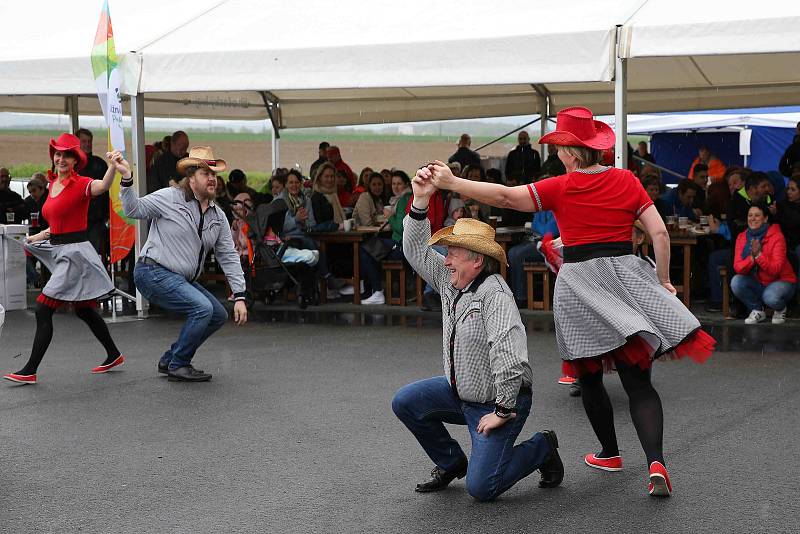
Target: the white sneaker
(348, 289)
(756, 316)
(333, 294)
(376, 298)
(779, 317)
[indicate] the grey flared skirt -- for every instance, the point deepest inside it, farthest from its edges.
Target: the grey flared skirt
(600, 303)
(77, 272)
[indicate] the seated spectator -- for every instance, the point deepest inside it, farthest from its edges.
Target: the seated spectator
(763, 274)
(335, 157)
(700, 180)
(734, 177)
(653, 186)
(12, 206)
(679, 201)
(276, 185)
(328, 212)
(477, 174)
(241, 207)
(35, 202)
(224, 199)
(361, 183)
(343, 189)
(717, 198)
(237, 183)
(756, 189)
(494, 176)
(642, 152)
(387, 185)
(455, 168)
(369, 206)
(300, 215)
(789, 217)
(455, 210)
(716, 169)
(370, 268)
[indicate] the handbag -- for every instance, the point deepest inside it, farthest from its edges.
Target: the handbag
(375, 246)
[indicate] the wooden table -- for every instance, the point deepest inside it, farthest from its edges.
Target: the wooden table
(505, 235)
(686, 241)
(355, 238)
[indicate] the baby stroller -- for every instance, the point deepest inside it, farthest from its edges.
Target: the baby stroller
(266, 274)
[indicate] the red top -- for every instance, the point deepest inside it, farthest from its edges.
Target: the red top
(592, 208)
(67, 211)
(771, 265)
(436, 210)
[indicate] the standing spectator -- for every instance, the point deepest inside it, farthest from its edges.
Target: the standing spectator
(789, 217)
(10, 201)
(716, 169)
(98, 206)
(369, 206)
(641, 151)
(335, 157)
(463, 155)
(164, 172)
(552, 166)
(763, 274)
(523, 161)
(791, 156)
(322, 158)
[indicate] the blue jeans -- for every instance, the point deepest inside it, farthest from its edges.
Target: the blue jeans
(755, 296)
(495, 464)
(371, 269)
(171, 291)
(718, 258)
(517, 256)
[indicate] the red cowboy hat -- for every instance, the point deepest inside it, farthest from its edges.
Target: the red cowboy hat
(577, 127)
(69, 143)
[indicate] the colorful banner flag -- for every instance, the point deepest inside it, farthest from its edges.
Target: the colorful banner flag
(106, 76)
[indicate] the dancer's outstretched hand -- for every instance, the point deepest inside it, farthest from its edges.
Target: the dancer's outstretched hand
(442, 176)
(240, 312)
(490, 421)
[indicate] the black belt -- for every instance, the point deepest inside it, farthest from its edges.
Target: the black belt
(526, 390)
(590, 251)
(69, 237)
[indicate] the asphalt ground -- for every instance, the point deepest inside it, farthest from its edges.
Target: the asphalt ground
(295, 433)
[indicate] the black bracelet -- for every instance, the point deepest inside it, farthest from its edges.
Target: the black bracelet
(503, 412)
(126, 183)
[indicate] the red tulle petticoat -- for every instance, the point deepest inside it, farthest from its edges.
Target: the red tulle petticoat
(56, 304)
(698, 346)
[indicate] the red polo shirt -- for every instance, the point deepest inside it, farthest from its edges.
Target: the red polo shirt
(67, 212)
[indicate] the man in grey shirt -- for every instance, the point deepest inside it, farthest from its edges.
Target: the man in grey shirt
(185, 226)
(487, 378)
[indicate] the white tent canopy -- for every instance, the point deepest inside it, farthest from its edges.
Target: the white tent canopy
(390, 62)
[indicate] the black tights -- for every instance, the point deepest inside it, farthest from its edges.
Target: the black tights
(44, 334)
(645, 406)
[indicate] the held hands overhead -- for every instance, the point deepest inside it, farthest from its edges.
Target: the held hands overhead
(432, 176)
(119, 163)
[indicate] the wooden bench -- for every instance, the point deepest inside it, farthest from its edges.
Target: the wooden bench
(390, 267)
(538, 269)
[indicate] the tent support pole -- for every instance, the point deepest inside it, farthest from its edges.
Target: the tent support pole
(543, 114)
(621, 109)
(140, 181)
(72, 109)
(272, 104)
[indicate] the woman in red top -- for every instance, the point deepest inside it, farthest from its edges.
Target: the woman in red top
(610, 307)
(79, 277)
(764, 275)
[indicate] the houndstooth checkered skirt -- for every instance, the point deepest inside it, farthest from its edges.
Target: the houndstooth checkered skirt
(601, 302)
(77, 272)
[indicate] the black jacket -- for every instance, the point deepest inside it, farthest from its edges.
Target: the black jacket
(790, 157)
(552, 166)
(162, 171)
(10, 200)
(524, 163)
(323, 211)
(465, 157)
(789, 219)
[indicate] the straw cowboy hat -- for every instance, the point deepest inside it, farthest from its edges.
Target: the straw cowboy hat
(69, 143)
(473, 235)
(201, 156)
(576, 127)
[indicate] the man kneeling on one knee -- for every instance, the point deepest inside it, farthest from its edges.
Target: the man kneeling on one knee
(185, 225)
(487, 378)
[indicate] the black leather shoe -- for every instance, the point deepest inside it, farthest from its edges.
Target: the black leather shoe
(187, 373)
(163, 368)
(441, 478)
(575, 389)
(552, 469)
